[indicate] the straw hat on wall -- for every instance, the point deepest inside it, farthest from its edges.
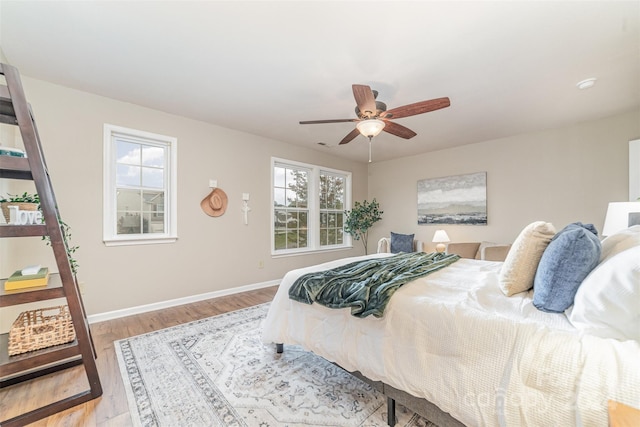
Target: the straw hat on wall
(215, 204)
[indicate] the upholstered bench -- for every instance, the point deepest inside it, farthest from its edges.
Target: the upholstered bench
(487, 251)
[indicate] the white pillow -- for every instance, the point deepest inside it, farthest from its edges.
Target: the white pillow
(519, 268)
(618, 242)
(607, 303)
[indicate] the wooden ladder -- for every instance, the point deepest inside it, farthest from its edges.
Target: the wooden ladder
(14, 110)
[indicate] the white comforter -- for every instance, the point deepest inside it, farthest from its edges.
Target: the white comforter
(453, 338)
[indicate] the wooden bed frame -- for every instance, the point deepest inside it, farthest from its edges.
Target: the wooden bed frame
(418, 405)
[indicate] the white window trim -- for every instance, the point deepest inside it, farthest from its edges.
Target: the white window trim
(313, 236)
(110, 236)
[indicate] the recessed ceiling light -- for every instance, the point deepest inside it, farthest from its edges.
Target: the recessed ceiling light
(587, 83)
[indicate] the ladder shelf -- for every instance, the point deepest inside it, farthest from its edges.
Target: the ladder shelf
(14, 110)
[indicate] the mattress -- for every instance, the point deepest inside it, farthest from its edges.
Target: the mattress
(455, 339)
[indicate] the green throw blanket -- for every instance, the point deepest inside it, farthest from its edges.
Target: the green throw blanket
(366, 286)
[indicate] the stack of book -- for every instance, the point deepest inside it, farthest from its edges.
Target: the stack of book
(28, 277)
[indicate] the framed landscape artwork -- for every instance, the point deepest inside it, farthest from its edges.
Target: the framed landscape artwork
(459, 199)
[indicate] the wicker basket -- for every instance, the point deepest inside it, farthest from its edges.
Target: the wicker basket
(41, 328)
(23, 206)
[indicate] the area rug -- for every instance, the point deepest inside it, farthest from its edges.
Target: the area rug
(218, 372)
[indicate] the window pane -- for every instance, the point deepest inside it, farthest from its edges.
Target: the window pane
(153, 203)
(156, 225)
(146, 218)
(332, 190)
(280, 218)
(297, 181)
(331, 236)
(303, 194)
(279, 197)
(302, 239)
(331, 219)
(303, 220)
(129, 223)
(292, 239)
(340, 236)
(152, 178)
(152, 198)
(153, 156)
(323, 219)
(280, 240)
(128, 175)
(339, 219)
(127, 152)
(323, 236)
(292, 220)
(292, 199)
(278, 177)
(128, 200)
(289, 177)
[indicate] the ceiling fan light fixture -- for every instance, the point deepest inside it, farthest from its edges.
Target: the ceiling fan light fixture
(371, 127)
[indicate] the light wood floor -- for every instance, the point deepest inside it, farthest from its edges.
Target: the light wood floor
(111, 408)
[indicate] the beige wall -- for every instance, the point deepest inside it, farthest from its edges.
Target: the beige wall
(560, 175)
(211, 253)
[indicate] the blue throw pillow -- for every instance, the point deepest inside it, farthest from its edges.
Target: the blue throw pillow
(569, 258)
(401, 243)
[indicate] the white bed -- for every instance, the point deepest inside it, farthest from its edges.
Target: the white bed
(454, 339)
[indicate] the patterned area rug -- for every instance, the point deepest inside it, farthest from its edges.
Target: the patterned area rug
(217, 372)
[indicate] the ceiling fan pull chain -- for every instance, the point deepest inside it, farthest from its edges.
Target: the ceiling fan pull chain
(369, 149)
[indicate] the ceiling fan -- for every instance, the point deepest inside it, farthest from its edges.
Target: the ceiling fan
(373, 116)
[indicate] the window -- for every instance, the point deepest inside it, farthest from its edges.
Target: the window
(139, 187)
(308, 207)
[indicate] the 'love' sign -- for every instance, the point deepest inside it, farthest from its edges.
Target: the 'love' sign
(18, 217)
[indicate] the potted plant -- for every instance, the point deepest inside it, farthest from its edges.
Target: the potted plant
(361, 218)
(25, 201)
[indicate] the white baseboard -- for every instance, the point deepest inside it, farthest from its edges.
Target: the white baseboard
(101, 317)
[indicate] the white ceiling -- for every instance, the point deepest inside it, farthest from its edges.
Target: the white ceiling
(261, 67)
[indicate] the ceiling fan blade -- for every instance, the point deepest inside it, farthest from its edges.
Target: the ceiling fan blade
(351, 136)
(398, 130)
(317, 122)
(417, 108)
(365, 100)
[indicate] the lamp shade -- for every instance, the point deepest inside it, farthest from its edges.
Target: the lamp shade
(621, 215)
(440, 236)
(371, 127)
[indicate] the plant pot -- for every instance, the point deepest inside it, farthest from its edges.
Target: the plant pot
(21, 205)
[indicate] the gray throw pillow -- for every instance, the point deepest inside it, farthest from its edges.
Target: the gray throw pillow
(401, 243)
(569, 258)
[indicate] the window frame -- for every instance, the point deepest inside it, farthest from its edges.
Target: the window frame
(313, 206)
(110, 216)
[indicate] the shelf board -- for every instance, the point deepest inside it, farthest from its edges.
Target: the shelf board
(53, 290)
(7, 230)
(15, 167)
(34, 360)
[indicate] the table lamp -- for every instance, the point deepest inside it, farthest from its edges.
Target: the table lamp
(440, 237)
(620, 215)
